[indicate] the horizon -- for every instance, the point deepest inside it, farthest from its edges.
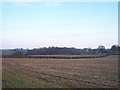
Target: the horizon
(58, 47)
(44, 24)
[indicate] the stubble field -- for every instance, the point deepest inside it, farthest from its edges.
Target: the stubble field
(60, 73)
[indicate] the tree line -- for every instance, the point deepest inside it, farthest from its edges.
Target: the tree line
(101, 50)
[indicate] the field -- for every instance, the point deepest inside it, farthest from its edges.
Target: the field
(60, 73)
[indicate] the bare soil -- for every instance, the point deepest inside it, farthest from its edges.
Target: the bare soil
(60, 73)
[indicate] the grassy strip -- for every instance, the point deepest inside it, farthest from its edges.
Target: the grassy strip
(14, 81)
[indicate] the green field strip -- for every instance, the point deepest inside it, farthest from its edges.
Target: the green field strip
(13, 81)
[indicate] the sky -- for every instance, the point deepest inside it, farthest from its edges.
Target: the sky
(59, 24)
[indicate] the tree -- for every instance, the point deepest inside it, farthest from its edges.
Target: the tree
(115, 49)
(101, 49)
(17, 54)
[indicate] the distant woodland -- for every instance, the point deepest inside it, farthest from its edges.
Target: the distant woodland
(101, 50)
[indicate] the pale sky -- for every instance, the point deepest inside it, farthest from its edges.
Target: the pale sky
(80, 25)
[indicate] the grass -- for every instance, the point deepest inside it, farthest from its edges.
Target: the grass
(15, 81)
(60, 73)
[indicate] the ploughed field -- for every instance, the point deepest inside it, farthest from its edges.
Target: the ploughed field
(60, 73)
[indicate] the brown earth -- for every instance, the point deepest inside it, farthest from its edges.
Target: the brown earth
(60, 73)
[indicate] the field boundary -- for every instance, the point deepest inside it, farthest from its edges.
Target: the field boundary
(65, 56)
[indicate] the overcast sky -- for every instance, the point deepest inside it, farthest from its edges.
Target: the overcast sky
(80, 25)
